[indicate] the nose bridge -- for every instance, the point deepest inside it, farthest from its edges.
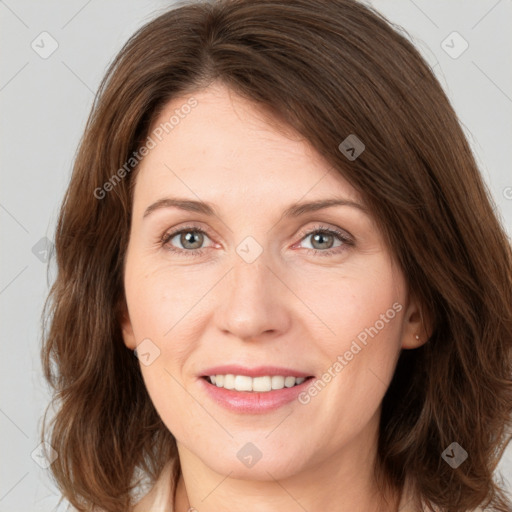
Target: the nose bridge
(251, 279)
(253, 301)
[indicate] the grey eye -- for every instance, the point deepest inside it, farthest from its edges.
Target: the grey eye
(190, 239)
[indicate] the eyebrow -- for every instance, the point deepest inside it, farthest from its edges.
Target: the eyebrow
(295, 210)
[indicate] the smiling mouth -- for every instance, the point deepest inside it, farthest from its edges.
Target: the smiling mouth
(262, 384)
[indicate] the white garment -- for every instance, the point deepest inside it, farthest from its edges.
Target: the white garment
(160, 497)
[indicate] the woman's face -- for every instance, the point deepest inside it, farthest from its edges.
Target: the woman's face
(264, 286)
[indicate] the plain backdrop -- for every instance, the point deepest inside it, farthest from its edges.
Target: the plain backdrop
(45, 100)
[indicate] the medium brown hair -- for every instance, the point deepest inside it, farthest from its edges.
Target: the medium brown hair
(328, 69)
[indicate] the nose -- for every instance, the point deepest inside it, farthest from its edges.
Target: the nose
(254, 302)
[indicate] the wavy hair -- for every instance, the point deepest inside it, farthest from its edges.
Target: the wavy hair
(328, 69)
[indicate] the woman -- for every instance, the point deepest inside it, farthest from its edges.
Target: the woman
(229, 142)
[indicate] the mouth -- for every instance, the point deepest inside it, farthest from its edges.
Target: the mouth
(260, 384)
(254, 390)
(243, 394)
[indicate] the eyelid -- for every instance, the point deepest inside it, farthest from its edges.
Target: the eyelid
(175, 231)
(325, 227)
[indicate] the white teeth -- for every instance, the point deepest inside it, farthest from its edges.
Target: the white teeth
(229, 381)
(258, 384)
(277, 382)
(262, 384)
(243, 383)
(289, 382)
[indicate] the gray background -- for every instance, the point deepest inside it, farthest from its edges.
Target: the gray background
(45, 103)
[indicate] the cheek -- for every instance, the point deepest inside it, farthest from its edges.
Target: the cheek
(158, 310)
(363, 310)
(166, 307)
(354, 302)
(155, 298)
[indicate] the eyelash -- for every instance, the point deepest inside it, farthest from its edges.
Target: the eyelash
(167, 237)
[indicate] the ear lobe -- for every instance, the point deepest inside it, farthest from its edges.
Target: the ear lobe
(417, 327)
(126, 325)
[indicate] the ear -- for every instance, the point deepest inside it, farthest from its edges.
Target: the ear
(126, 325)
(417, 327)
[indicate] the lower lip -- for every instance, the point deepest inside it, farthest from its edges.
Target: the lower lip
(252, 402)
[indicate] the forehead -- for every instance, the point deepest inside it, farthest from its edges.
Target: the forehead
(226, 147)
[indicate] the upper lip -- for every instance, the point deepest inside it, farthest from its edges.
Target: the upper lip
(258, 371)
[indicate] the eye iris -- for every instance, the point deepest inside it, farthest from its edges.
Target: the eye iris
(320, 237)
(188, 237)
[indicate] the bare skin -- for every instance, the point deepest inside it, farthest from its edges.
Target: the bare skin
(293, 306)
